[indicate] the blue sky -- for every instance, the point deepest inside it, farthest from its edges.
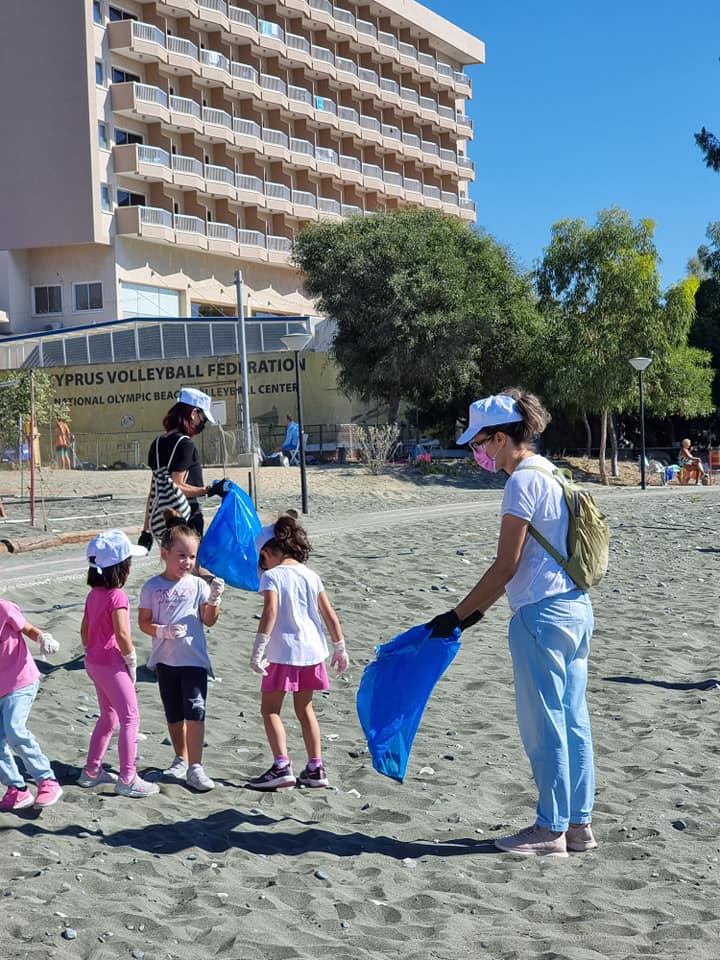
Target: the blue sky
(582, 106)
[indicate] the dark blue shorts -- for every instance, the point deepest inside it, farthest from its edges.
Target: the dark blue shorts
(183, 691)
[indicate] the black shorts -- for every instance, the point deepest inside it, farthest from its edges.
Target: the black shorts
(183, 691)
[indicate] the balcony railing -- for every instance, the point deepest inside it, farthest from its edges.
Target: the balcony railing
(216, 174)
(277, 191)
(325, 104)
(243, 71)
(148, 94)
(242, 16)
(407, 50)
(350, 210)
(153, 155)
(467, 204)
(350, 163)
(448, 155)
(244, 181)
(185, 106)
(446, 112)
(366, 28)
(349, 114)
(391, 176)
(323, 5)
(412, 96)
(391, 132)
(372, 170)
(183, 47)
(427, 103)
(429, 147)
(300, 95)
(448, 197)
(251, 238)
(344, 16)
(304, 199)
(302, 146)
(368, 76)
(156, 217)
(329, 206)
(296, 42)
(187, 165)
(431, 191)
(389, 86)
(326, 155)
(389, 39)
(269, 82)
(346, 66)
(148, 33)
(211, 58)
(370, 123)
(322, 54)
(413, 186)
(278, 137)
(189, 224)
(278, 244)
(221, 231)
(219, 6)
(219, 118)
(247, 128)
(411, 140)
(267, 28)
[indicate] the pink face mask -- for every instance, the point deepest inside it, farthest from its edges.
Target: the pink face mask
(483, 460)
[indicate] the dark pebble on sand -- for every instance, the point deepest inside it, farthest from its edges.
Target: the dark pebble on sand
(69, 934)
(679, 824)
(138, 955)
(344, 924)
(320, 875)
(448, 756)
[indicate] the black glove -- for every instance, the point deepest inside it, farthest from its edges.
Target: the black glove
(444, 623)
(146, 540)
(218, 488)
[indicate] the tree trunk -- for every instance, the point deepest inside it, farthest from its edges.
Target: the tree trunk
(588, 436)
(603, 444)
(393, 408)
(613, 446)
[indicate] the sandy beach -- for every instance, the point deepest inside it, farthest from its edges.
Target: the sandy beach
(371, 868)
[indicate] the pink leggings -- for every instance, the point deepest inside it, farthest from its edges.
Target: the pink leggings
(118, 705)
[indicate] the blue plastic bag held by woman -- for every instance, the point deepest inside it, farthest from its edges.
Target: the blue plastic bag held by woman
(228, 548)
(394, 690)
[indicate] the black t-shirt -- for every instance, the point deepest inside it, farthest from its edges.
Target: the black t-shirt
(185, 459)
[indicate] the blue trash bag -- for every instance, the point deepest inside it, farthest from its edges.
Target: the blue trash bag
(228, 548)
(394, 690)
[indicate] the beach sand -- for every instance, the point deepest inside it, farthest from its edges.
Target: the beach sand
(373, 868)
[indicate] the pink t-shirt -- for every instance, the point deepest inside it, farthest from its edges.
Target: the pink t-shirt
(17, 667)
(102, 646)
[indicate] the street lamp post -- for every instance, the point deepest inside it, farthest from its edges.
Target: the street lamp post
(297, 342)
(641, 364)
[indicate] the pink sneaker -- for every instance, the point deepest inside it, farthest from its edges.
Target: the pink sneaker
(16, 799)
(48, 793)
(579, 837)
(534, 841)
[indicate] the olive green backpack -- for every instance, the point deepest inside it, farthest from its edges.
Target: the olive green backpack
(588, 539)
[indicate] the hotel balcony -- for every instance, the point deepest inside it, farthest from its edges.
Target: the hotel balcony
(162, 226)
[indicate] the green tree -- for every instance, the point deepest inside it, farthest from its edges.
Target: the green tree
(428, 311)
(710, 146)
(599, 288)
(15, 402)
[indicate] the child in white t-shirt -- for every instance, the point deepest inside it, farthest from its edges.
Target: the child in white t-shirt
(290, 651)
(174, 608)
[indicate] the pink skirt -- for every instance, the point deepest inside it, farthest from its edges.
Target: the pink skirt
(290, 679)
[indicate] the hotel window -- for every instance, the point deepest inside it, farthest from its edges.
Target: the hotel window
(115, 13)
(137, 300)
(102, 136)
(125, 136)
(97, 12)
(127, 199)
(47, 300)
(123, 76)
(105, 198)
(87, 296)
(99, 73)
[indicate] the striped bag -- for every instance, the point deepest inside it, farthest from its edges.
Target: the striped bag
(165, 493)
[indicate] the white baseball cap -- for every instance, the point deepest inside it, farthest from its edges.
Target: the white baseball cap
(111, 547)
(490, 412)
(266, 534)
(196, 398)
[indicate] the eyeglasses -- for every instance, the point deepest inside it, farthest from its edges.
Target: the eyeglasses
(480, 444)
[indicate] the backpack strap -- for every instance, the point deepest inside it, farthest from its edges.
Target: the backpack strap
(544, 543)
(170, 458)
(179, 441)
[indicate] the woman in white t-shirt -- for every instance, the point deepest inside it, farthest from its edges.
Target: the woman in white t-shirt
(550, 628)
(290, 651)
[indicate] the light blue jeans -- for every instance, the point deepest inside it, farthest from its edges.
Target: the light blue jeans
(549, 645)
(16, 738)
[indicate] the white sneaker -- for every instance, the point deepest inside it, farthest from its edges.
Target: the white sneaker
(198, 779)
(103, 776)
(138, 789)
(177, 769)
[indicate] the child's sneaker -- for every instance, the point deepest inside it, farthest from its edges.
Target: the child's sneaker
(313, 778)
(137, 789)
(273, 779)
(16, 798)
(198, 779)
(48, 793)
(177, 769)
(103, 776)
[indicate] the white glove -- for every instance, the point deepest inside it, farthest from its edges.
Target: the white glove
(170, 631)
(48, 644)
(339, 657)
(258, 663)
(131, 664)
(217, 587)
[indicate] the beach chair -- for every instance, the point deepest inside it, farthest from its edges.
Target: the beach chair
(713, 464)
(295, 455)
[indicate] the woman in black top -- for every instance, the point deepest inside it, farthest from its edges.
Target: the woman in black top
(175, 450)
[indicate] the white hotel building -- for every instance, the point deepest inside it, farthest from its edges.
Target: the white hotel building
(150, 150)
